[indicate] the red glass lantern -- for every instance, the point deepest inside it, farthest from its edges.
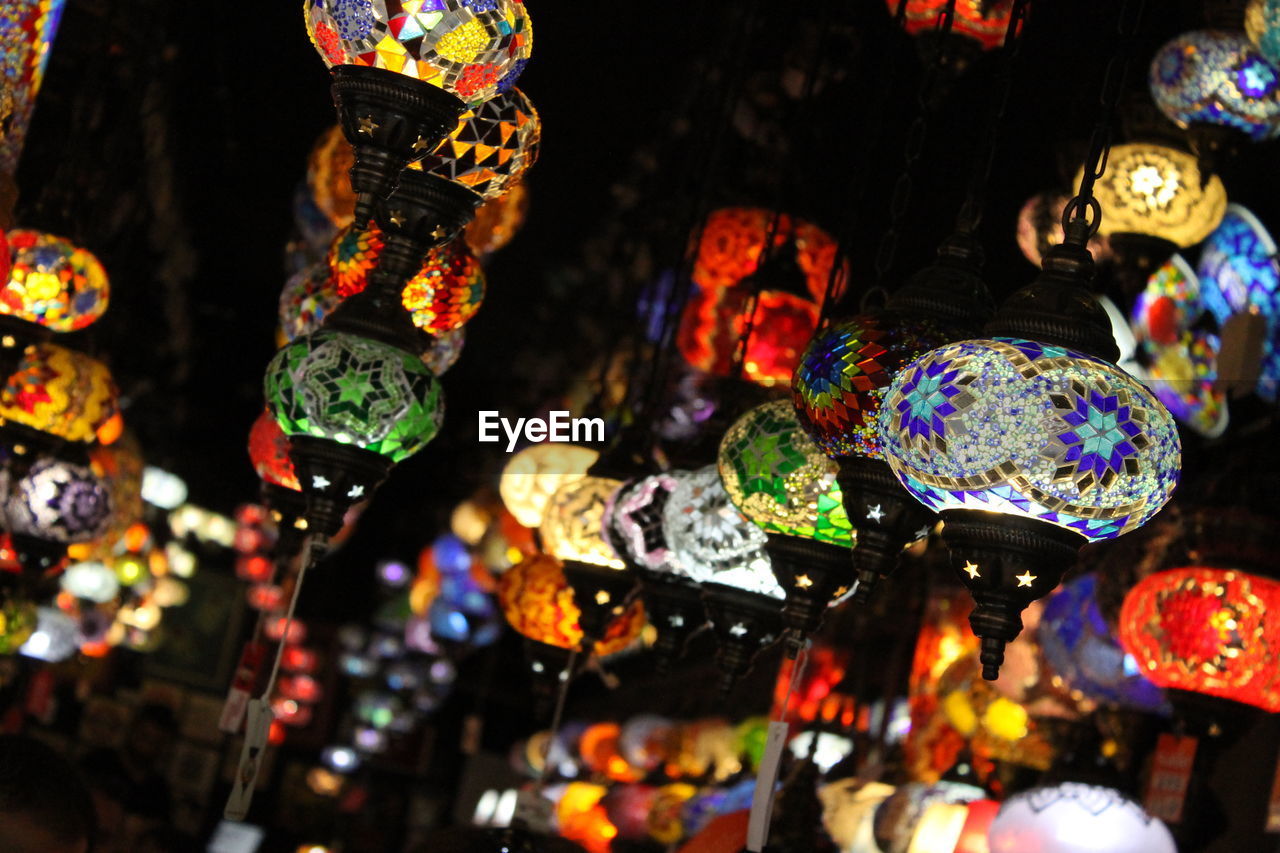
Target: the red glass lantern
(1206, 630)
(984, 21)
(300, 688)
(275, 630)
(265, 597)
(298, 659)
(254, 568)
(733, 241)
(269, 452)
(714, 322)
(599, 749)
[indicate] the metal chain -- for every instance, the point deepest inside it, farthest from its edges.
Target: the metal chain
(916, 136)
(1083, 215)
(970, 216)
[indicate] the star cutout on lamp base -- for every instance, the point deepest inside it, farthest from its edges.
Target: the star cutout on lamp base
(885, 517)
(548, 668)
(289, 512)
(334, 478)
(814, 575)
(602, 593)
(391, 120)
(674, 607)
(744, 624)
(1005, 562)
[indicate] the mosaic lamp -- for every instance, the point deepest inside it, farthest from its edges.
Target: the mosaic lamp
(1216, 85)
(1076, 818)
(713, 545)
(977, 26)
(351, 408)
(1030, 443)
(329, 177)
(269, 452)
(533, 475)
(573, 531)
(1154, 200)
(403, 74)
(56, 395)
(783, 482)
(843, 378)
(1262, 25)
(636, 529)
(55, 503)
(498, 221)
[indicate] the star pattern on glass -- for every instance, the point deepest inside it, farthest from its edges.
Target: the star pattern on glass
(931, 394)
(875, 513)
(1103, 438)
(1025, 579)
(971, 569)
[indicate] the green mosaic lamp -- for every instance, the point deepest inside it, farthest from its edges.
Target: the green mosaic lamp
(351, 407)
(783, 482)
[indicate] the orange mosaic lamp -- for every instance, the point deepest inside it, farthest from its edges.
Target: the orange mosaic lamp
(733, 240)
(329, 178)
(714, 322)
(60, 393)
(1209, 631)
(497, 221)
(983, 22)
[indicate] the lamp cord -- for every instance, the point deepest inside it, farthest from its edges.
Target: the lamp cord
(557, 717)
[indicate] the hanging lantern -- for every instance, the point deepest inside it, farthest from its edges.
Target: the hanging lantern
(538, 602)
(1154, 200)
(1211, 80)
(54, 638)
(1207, 631)
(1083, 652)
(492, 147)
(733, 241)
(402, 79)
(18, 621)
(91, 581)
(53, 283)
(308, 297)
(1076, 818)
(1262, 24)
(60, 393)
(1040, 228)
(351, 407)
(533, 475)
(269, 453)
(783, 483)
(54, 504)
(329, 177)
(715, 322)
(29, 28)
(983, 22)
(497, 221)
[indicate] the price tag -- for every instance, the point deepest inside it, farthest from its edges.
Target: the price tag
(766, 783)
(1170, 776)
(1240, 360)
(255, 744)
(246, 676)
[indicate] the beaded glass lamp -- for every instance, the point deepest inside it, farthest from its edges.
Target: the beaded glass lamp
(54, 504)
(1217, 79)
(1262, 25)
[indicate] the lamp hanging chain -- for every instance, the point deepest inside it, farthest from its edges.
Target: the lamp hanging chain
(1083, 215)
(917, 134)
(970, 216)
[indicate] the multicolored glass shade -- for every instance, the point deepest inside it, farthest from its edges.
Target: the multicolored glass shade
(710, 540)
(1158, 191)
(1033, 430)
(497, 221)
(734, 238)
(780, 479)
(533, 475)
(27, 30)
(636, 518)
(492, 147)
(1206, 630)
(845, 373)
(475, 49)
(1083, 651)
(58, 501)
(1262, 25)
(983, 21)
(1169, 305)
(1219, 78)
(715, 321)
(91, 581)
(573, 526)
(53, 283)
(329, 177)
(537, 600)
(1040, 228)
(269, 453)
(60, 392)
(444, 295)
(353, 390)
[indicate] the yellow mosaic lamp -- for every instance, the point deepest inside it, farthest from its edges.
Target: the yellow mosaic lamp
(60, 393)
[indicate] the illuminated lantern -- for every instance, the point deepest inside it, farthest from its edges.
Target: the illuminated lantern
(983, 22)
(59, 392)
(329, 177)
(715, 321)
(29, 28)
(269, 453)
(733, 240)
(599, 748)
(1040, 228)
(783, 482)
(533, 475)
(497, 221)
(53, 283)
(91, 581)
(1155, 200)
(977, 823)
(1207, 631)
(6, 258)
(1080, 648)
(1101, 458)
(1217, 78)
(54, 638)
(1262, 24)
(538, 602)
(724, 834)
(58, 502)
(18, 620)
(848, 812)
(580, 817)
(492, 147)
(308, 297)
(1076, 818)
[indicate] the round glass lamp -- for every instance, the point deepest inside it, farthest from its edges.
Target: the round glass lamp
(329, 177)
(351, 408)
(1076, 818)
(54, 504)
(307, 298)
(53, 283)
(497, 221)
(1066, 446)
(533, 475)
(91, 581)
(535, 597)
(734, 239)
(1262, 25)
(59, 392)
(984, 22)
(1218, 79)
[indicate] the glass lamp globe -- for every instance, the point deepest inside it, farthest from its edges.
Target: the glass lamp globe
(734, 239)
(269, 453)
(60, 392)
(329, 177)
(534, 474)
(1040, 228)
(635, 521)
(1156, 191)
(1076, 818)
(18, 619)
(497, 221)
(715, 321)
(53, 283)
(91, 581)
(1214, 77)
(54, 638)
(308, 297)
(536, 599)
(1262, 25)
(492, 147)
(473, 49)
(573, 526)
(354, 391)
(58, 501)
(982, 21)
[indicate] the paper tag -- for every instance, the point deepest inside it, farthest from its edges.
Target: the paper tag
(1240, 359)
(255, 743)
(766, 782)
(533, 810)
(246, 676)
(1170, 775)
